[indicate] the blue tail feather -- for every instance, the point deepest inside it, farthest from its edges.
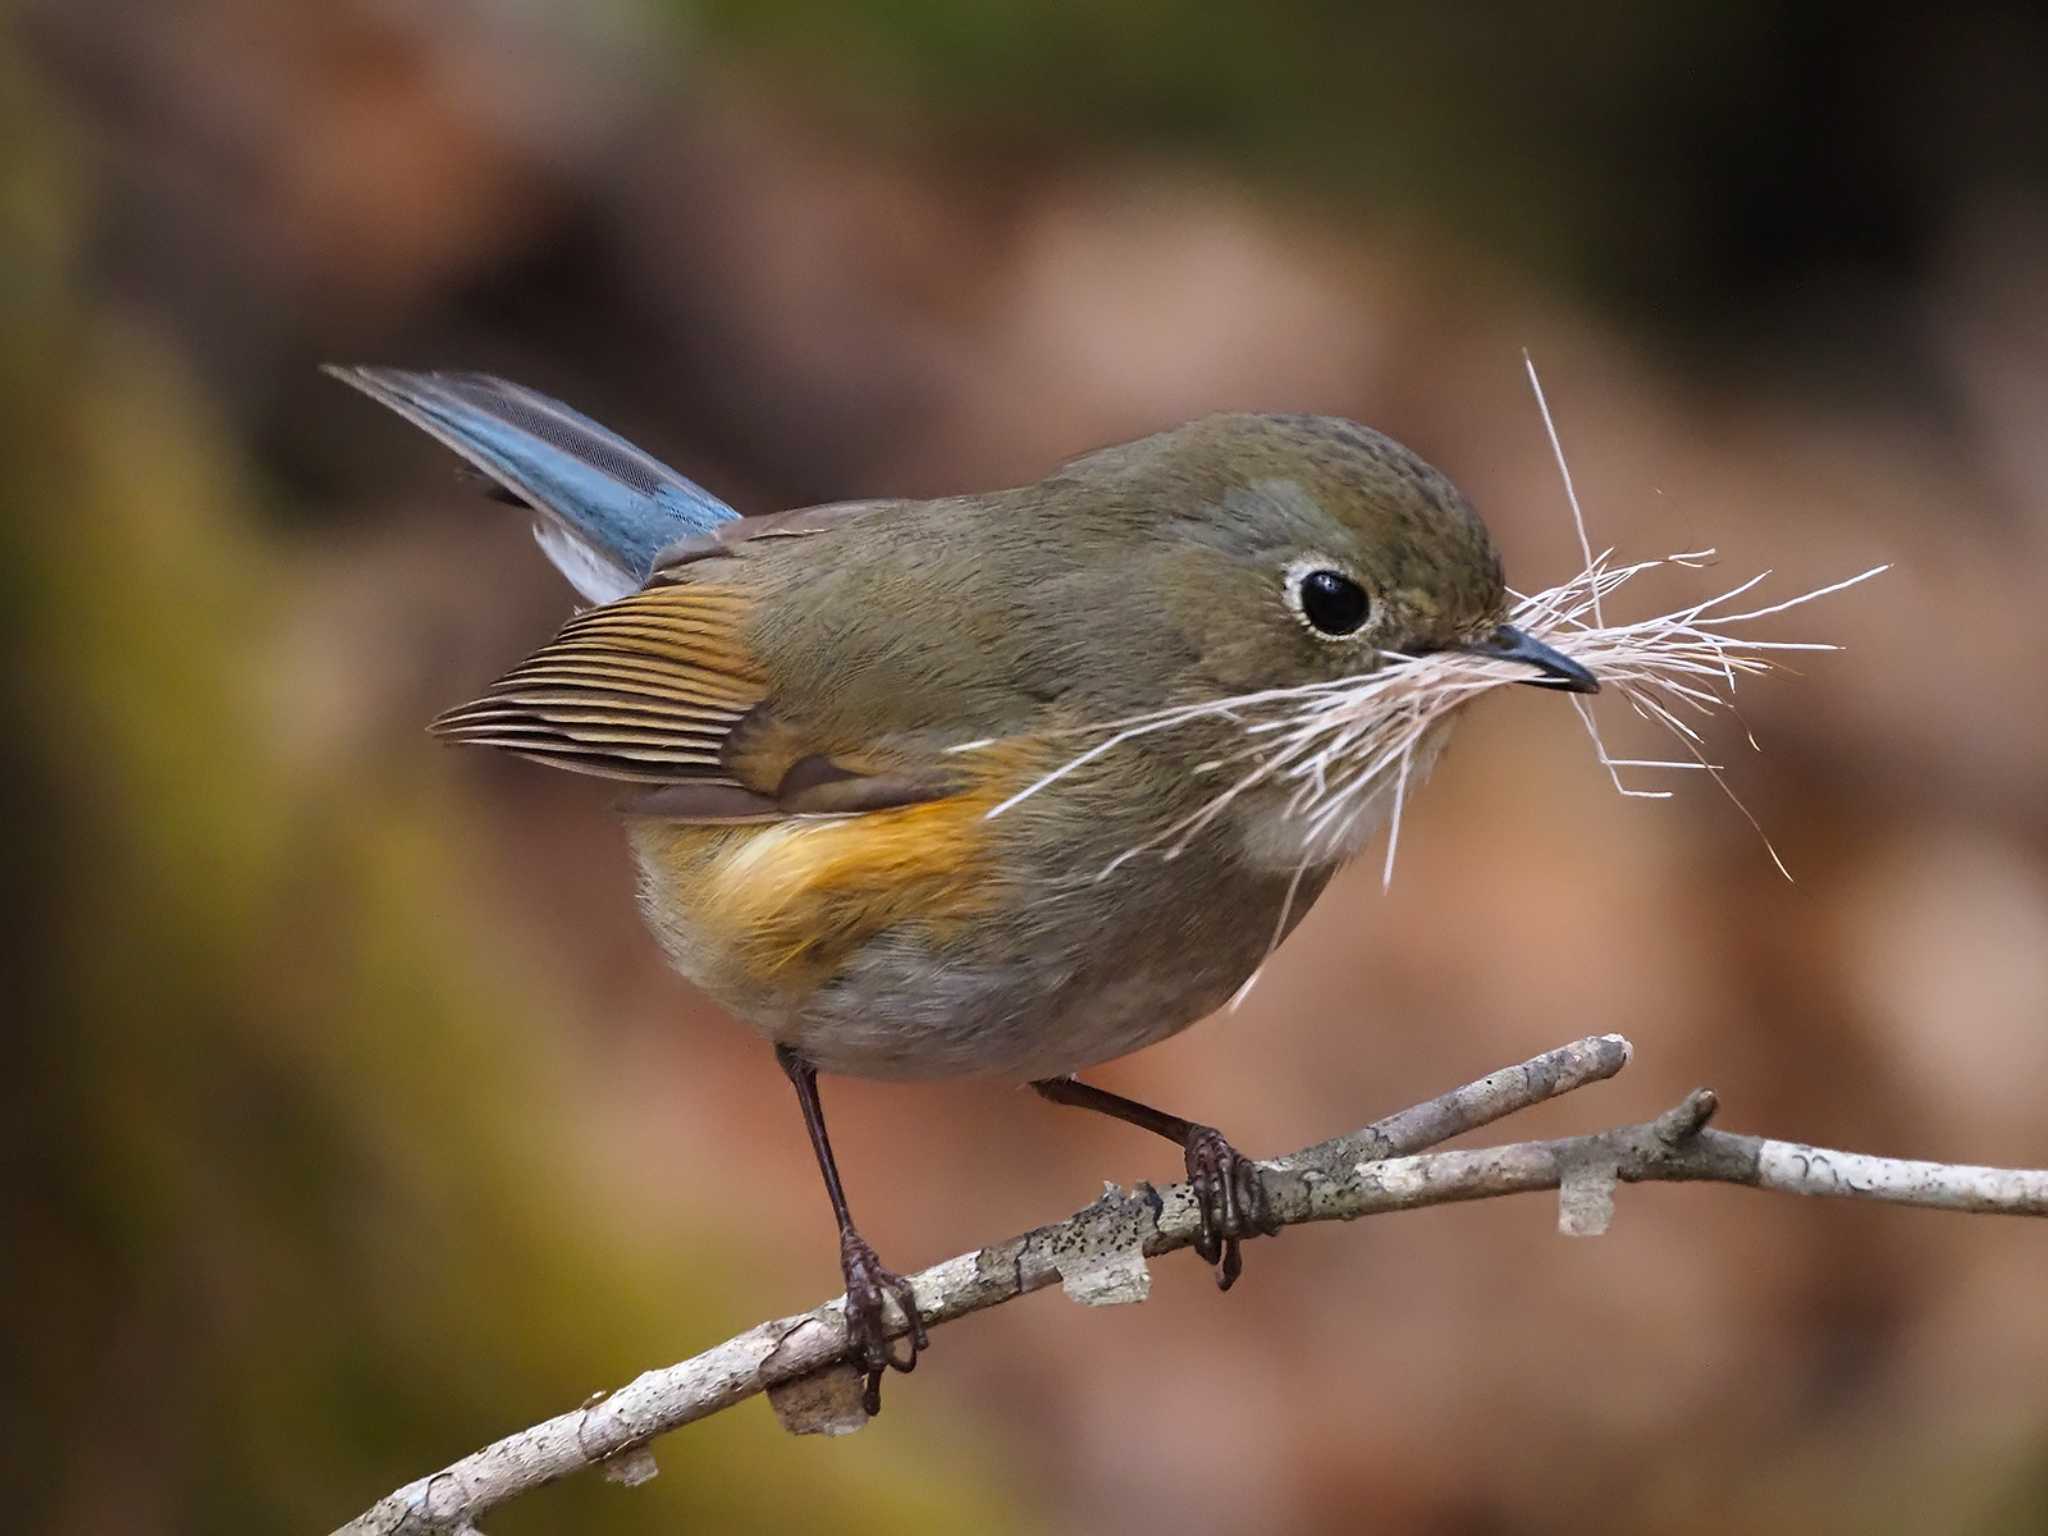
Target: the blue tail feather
(606, 508)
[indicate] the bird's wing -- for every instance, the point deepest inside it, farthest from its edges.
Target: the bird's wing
(649, 688)
(659, 689)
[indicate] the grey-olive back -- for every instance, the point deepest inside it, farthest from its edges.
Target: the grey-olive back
(1132, 578)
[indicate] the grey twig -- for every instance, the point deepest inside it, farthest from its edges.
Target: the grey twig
(1099, 1255)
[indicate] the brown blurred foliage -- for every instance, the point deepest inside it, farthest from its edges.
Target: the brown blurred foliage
(352, 1120)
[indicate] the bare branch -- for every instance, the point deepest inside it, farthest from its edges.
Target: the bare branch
(1099, 1255)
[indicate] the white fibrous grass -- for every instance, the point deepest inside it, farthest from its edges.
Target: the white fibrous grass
(1341, 747)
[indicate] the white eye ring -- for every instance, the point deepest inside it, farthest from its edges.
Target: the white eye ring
(1326, 598)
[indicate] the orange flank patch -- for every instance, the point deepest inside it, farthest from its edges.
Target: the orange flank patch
(784, 904)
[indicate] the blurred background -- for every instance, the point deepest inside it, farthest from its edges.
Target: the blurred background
(351, 1120)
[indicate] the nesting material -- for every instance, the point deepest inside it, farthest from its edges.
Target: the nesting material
(1345, 743)
(1346, 746)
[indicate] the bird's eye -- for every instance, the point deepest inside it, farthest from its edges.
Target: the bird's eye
(1331, 602)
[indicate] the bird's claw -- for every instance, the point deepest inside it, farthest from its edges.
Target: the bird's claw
(868, 1285)
(1230, 1198)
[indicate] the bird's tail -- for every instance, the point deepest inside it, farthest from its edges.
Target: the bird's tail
(605, 509)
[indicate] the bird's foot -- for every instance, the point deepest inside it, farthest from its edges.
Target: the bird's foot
(868, 1286)
(1231, 1198)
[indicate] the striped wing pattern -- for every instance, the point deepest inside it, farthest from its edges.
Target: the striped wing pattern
(647, 689)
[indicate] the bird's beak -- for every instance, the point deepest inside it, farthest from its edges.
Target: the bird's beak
(1509, 644)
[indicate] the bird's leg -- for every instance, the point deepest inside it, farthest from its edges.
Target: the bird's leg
(867, 1282)
(1229, 1194)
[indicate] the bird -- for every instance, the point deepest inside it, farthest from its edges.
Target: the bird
(835, 730)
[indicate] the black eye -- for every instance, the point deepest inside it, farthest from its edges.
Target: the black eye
(1333, 602)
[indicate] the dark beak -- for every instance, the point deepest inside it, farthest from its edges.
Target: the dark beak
(1509, 644)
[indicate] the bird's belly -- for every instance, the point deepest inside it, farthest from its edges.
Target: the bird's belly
(903, 1011)
(928, 958)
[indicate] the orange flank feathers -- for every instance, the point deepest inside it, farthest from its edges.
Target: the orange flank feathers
(782, 904)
